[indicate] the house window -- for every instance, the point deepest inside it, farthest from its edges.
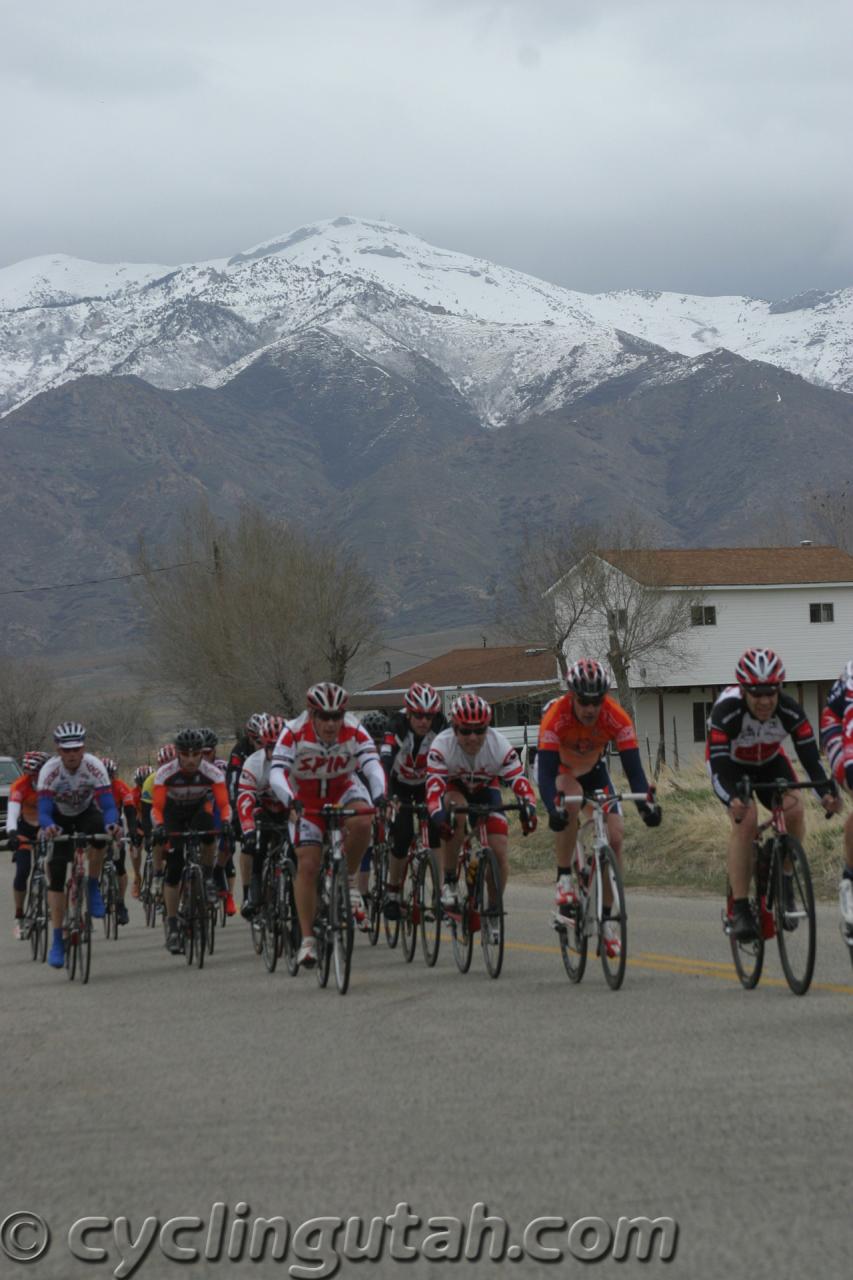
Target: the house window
(703, 615)
(701, 711)
(821, 613)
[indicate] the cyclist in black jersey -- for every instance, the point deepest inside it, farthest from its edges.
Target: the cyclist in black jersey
(748, 724)
(404, 757)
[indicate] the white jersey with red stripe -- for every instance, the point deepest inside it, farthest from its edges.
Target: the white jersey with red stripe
(254, 790)
(306, 769)
(495, 764)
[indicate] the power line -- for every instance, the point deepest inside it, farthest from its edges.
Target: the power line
(91, 582)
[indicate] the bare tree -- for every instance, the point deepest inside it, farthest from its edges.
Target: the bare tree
(830, 515)
(258, 612)
(121, 727)
(583, 589)
(29, 706)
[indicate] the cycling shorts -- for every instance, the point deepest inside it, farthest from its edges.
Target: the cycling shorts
(310, 828)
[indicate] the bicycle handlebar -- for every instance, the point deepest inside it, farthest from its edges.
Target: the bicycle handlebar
(602, 798)
(745, 787)
(482, 810)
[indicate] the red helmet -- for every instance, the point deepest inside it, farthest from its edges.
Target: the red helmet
(33, 761)
(166, 753)
(760, 667)
(588, 678)
(422, 699)
(327, 697)
(471, 711)
(271, 731)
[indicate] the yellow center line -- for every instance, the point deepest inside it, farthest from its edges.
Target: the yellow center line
(686, 966)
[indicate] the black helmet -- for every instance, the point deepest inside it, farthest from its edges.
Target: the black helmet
(376, 724)
(210, 739)
(189, 740)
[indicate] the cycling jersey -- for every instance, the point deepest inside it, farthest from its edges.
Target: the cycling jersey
(404, 753)
(254, 791)
(240, 753)
(66, 794)
(23, 803)
(738, 743)
(187, 790)
(496, 762)
(566, 745)
(836, 731)
(317, 773)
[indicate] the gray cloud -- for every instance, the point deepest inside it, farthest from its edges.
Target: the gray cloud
(646, 143)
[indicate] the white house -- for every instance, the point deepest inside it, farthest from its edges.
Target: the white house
(796, 600)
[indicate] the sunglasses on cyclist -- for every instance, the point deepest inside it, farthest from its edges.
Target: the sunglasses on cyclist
(590, 699)
(763, 690)
(467, 733)
(329, 715)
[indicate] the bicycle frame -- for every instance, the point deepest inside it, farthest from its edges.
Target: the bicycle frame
(599, 802)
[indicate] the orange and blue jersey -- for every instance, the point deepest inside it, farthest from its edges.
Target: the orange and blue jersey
(566, 745)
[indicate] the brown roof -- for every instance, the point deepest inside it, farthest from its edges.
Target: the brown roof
(734, 566)
(503, 664)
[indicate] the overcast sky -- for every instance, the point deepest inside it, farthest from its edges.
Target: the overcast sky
(602, 144)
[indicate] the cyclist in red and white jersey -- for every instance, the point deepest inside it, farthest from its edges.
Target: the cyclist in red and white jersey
(470, 762)
(259, 812)
(22, 827)
(316, 761)
(836, 736)
(748, 724)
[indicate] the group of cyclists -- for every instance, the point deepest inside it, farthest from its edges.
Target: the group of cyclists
(281, 774)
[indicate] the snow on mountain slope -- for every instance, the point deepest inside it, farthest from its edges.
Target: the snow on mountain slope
(513, 345)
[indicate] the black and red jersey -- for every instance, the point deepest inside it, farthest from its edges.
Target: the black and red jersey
(738, 742)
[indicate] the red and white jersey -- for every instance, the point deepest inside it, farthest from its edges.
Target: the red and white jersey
(71, 793)
(254, 790)
(314, 772)
(495, 764)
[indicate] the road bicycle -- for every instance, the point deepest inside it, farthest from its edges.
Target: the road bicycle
(272, 915)
(377, 881)
(420, 891)
(77, 921)
(478, 887)
(193, 905)
(110, 892)
(35, 925)
(333, 924)
(152, 904)
(598, 909)
(781, 899)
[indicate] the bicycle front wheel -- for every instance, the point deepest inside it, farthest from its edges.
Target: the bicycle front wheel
(613, 942)
(72, 933)
(291, 934)
(85, 935)
(375, 894)
(490, 906)
(461, 927)
(270, 922)
(410, 912)
(796, 930)
(109, 893)
(342, 927)
(429, 898)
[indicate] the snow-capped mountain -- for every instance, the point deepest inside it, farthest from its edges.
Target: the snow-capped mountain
(513, 346)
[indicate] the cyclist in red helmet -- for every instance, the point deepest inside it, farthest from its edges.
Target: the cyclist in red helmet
(748, 724)
(575, 732)
(471, 761)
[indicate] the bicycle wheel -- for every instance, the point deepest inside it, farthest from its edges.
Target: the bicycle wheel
(210, 934)
(747, 953)
(796, 929)
(410, 910)
(375, 893)
(72, 932)
(429, 899)
(613, 942)
(291, 934)
(461, 926)
(490, 907)
(146, 894)
(392, 927)
(342, 927)
(32, 915)
(85, 935)
(270, 919)
(322, 930)
(109, 893)
(199, 917)
(44, 930)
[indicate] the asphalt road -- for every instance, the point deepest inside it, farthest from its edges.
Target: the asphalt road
(158, 1091)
